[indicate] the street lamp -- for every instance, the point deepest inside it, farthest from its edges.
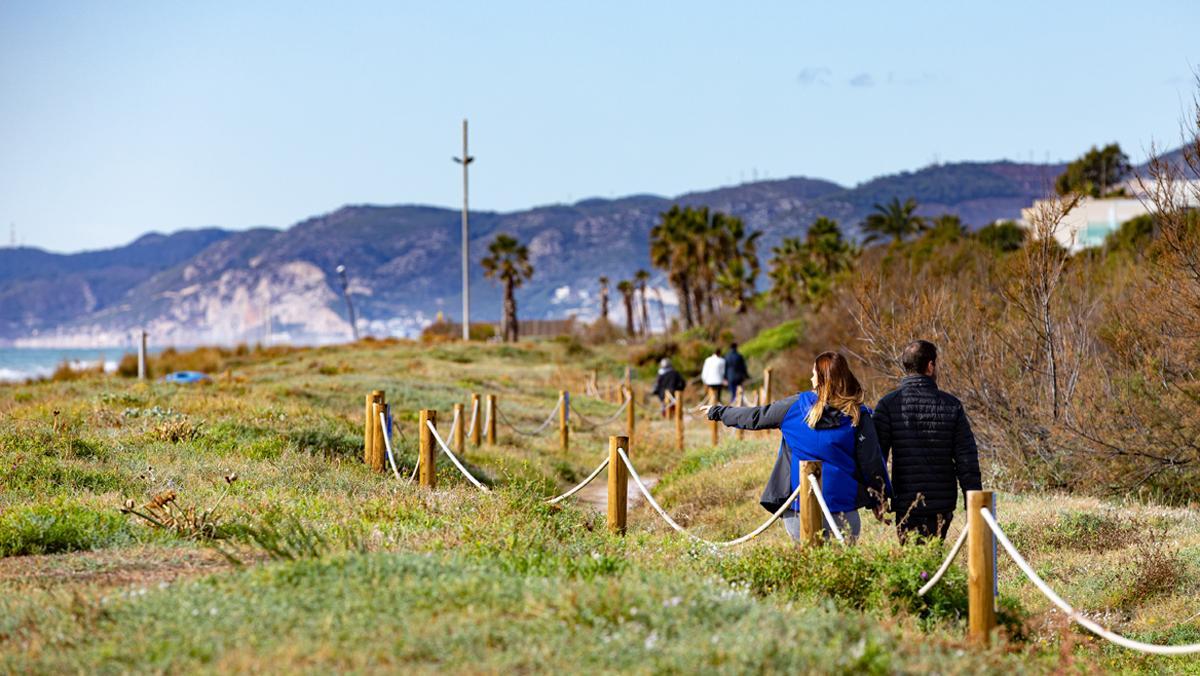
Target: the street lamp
(341, 270)
(466, 258)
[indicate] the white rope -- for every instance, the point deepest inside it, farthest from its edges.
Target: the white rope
(453, 426)
(578, 487)
(591, 425)
(487, 417)
(962, 537)
(501, 417)
(816, 486)
(474, 412)
(671, 522)
(1071, 612)
(453, 458)
(387, 442)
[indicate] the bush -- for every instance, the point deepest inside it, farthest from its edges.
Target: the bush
(59, 527)
(774, 340)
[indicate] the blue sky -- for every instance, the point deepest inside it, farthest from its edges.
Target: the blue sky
(117, 118)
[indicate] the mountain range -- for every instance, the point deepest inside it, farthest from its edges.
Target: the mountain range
(219, 286)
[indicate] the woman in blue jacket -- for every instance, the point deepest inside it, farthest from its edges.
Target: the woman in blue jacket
(830, 424)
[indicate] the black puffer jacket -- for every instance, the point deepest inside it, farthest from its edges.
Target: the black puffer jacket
(926, 434)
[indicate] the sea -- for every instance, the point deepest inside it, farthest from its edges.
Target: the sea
(18, 364)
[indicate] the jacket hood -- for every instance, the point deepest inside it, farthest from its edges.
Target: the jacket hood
(830, 418)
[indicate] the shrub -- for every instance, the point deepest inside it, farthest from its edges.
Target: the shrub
(774, 340)
(59, 527)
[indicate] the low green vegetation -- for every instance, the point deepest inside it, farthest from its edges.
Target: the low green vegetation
(315, 563)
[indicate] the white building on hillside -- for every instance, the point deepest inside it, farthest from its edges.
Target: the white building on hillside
(1093, 219)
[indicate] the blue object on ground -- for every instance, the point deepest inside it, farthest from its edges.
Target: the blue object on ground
(186, 377)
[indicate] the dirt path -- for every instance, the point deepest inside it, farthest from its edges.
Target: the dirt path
(595, 494)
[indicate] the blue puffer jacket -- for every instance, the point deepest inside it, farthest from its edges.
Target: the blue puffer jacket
(853, 474)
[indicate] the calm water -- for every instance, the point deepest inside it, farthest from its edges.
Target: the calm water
(19, 363)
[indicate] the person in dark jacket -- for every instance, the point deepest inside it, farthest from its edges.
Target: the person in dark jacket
(928, 438)
(830, 424)
(668, 381)
(735, 371)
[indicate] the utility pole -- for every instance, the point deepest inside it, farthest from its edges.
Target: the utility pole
(466, 258)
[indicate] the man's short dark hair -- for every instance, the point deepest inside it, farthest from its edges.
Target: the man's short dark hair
(917, 357)
(733, 346)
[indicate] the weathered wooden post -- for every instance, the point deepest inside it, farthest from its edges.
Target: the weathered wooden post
(630, 414)
(981, 568)
(370, 424)
(428, 471)
(810, 509)
(378, 450)
(679, 420)
(490, 407)
(766, 388)
(618, 478)
(741, 401)
(564, 417)
(714, 425)
(477, 415)
(142, 355)
(460, 431)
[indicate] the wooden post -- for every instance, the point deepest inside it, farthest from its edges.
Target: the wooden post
(630, 415)
(741, 401)
(477, 412)
(564, 417)
(628, 377)
(714, 425)
(490, 408)
(378, 450)
(370, 424)
(679, 420)
(460, 432)
(766, 387)
(618, 481)
(981, 568)
(428, 472)
(142, 355)
(810, 509)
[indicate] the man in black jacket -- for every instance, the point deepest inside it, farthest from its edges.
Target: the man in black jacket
(735, 372)
(926, 434)
(668, 383)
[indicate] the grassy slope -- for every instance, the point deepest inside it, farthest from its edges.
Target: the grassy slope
(457, 579)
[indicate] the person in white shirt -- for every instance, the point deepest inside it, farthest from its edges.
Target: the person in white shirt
(712, 374)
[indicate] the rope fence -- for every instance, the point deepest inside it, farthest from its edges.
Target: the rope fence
(982, 531)
(1070, 612)
(526, 433)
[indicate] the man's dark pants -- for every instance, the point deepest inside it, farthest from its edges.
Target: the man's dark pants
(733, 392)
(924, 525)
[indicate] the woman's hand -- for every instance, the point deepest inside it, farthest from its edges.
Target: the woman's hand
(702, 408)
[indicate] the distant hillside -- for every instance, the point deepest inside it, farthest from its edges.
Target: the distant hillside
(264, 284)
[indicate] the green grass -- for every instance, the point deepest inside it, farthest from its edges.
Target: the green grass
(774, 340)
(344, 569)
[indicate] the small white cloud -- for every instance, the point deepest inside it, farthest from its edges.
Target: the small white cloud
(862, 80)
(561, 295)
(818, 75)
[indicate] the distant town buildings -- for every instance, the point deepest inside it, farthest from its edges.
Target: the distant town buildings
(1093, 219)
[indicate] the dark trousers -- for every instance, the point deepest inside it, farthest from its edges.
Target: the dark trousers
(733, 392)
(924, 525)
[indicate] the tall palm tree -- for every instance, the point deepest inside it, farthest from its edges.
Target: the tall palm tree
(825, 242)
(893, 220)
(672, 251)
(626, 288)
(604, 298)
(508, 262)
(641, 277)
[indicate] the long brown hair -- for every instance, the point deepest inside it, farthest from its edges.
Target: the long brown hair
(836, 387)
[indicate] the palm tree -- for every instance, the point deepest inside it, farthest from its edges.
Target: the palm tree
(893, 220)
(825, 243)
(604, 298)
(626, 288)
(641, 277)
(672, 250)
(508, 262)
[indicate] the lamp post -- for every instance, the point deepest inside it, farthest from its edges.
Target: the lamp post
(466, 259)
(341, 270)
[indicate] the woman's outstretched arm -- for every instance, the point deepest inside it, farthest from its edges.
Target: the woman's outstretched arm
(767, 417)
